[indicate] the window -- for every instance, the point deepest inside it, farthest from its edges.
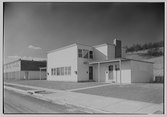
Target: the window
(55, 71)
(91, 54)
(62, 70)
(52, 71)
(116, 67)
(80, 53)
(69, 70)
(66, 71)
(85, 53)
(110, 68)
(58, 71)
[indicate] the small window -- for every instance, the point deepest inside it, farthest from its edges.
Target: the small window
(80, 53)
(110, 68)
(69, 70)
(85, 53)
(66, 69)
(91, 54)
(62, 70)
(116, 67)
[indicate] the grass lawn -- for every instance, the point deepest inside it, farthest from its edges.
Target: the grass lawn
(152, 93)
(55, 84)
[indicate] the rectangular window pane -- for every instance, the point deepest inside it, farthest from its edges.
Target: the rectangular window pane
(62, 70)
(69, 70)
(85, 53)
(90, 54)
(52, 71)
(66, 70)
(58, 71)
(80, 53)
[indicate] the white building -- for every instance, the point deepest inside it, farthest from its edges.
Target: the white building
(102, 63)
(25, 69)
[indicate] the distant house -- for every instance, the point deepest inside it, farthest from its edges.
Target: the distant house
(25, 69)
(101, 63)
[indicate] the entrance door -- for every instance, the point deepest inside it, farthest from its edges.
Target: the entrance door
(111, 73)
(90, 73)
(26, 75)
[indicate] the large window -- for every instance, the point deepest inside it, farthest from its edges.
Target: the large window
(61, 71)
(52, 71)
(80, 53)
(66, 69)
(69, 70)
(83, 53)
(58, 71)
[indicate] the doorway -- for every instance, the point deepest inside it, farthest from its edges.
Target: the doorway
(111, 77)
(26, 75)
(90, 72)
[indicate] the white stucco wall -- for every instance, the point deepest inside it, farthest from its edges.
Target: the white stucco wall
(126, 72)
(63, 58)
(142, 72)
(83, 66)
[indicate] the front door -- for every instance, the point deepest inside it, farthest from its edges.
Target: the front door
(90, 73)
(111, 73)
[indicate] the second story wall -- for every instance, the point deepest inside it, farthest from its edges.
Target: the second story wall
(85, 54)
(65, 57)
(100, 52)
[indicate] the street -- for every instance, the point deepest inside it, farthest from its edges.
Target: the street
(19, 103)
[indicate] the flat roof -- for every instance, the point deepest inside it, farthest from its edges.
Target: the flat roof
(25, 60)
(116, 60)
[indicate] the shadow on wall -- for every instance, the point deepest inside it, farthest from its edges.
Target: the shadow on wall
(99, 55)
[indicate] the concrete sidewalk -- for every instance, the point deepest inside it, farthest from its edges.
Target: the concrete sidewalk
(99, 104)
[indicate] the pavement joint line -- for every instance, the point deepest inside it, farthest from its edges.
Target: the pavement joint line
(89, 87)
(52, 101)
(146, 107)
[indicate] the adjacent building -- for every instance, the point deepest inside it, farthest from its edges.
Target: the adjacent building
(101, 63)
(25, 69)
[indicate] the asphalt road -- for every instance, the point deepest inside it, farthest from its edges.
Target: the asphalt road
(19, 103)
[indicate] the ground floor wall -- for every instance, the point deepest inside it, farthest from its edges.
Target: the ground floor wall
(25, 75)
(72, 76)
(105, 73)
(142, 72)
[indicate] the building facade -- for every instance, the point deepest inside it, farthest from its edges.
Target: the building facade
(25, 69)
(101, 63)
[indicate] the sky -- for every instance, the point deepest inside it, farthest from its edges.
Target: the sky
(33, 29)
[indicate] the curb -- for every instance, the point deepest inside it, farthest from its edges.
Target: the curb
(86, 109)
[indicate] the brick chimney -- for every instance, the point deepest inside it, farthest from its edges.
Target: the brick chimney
(118, 48)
